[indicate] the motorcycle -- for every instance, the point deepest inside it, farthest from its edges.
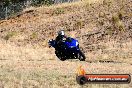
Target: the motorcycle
(67, 49)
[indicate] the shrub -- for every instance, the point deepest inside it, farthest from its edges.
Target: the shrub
(79, 24)
(59, 11)
(9, 35)
(116, 19)
(33, 35)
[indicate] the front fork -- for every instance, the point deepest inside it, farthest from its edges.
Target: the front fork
(77, 54)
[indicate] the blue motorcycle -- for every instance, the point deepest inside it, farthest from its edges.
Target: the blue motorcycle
(67, 49)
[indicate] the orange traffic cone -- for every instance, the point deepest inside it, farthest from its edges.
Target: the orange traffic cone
(81, 71)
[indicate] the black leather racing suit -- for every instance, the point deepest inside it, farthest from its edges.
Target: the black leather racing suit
(59, 40)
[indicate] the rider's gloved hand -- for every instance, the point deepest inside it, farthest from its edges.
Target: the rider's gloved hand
(49, 43)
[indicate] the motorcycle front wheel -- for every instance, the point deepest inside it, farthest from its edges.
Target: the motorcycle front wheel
(81, 56)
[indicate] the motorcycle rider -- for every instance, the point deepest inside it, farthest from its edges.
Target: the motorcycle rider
(63, 45)
(61, 37)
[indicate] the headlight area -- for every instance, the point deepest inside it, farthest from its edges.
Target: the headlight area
(77, 43)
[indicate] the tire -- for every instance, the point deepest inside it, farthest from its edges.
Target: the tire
(81, 80)
(81, 56)
(60, 56)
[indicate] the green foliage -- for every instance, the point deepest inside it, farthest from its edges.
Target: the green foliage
(47, 2)
(120, 15)
(120, 26)
(79, 24)
(109, 31)
(59, 11)
(7, 2)
(117, 21)
(33, 35)
(42, 2)
(9, 35)
(10, 8)
(115, 18)
(34, 2)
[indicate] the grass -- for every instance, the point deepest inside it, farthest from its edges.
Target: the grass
(40, 78)
(28, 65)
(16, 70)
